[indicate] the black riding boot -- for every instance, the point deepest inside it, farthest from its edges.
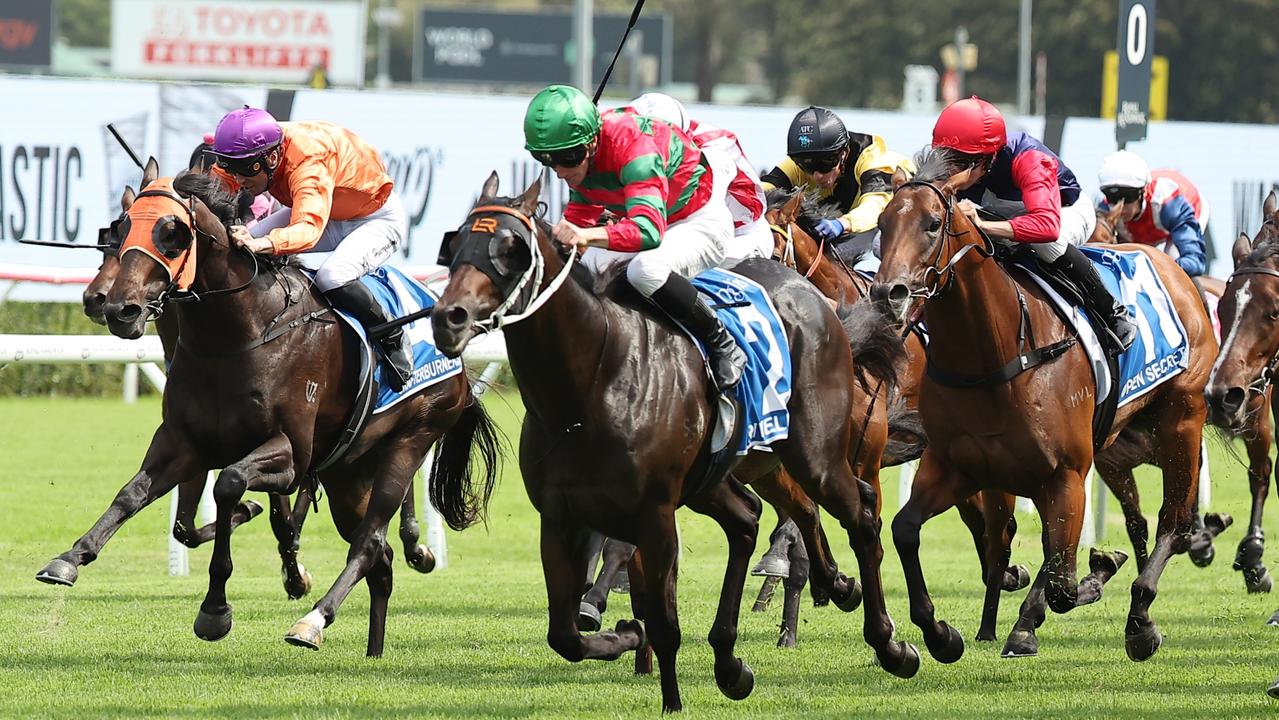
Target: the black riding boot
(1081, 270)
(678, 298)
(355, 298)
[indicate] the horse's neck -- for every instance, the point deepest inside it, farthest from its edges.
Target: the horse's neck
(556, 353)
(226, 320)
(974, 323)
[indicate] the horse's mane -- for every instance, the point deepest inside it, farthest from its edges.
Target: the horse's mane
(811, 210)
(1261, 254)
(938, 164)
(229, 208)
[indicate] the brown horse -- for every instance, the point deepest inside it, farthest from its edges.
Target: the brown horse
(1021, 422)
(249, 326)
(618, 422)
(286, 521)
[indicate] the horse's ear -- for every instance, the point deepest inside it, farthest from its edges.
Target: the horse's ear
(791, 209)
(899, 178)
(1242, 247)
(150, 172)
(127, 198)
(1271, 204)
(490, 187)
(528, 201)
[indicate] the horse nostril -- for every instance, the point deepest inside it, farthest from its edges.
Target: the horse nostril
(129, 313)
(1233, 400)
(898, 294)
(458, 317)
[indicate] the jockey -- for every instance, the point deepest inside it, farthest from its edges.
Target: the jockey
(669, 198)
(746, 202)
(337, 198)
(1160, 206)
(203, 160)
(852, 169)
(1018, 177)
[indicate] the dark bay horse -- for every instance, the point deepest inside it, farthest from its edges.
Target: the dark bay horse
(286, 521)
(262, 384)
(617, 427)
(1030, 435)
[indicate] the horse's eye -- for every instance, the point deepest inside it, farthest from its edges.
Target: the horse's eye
(1274, 315)
(935, 225)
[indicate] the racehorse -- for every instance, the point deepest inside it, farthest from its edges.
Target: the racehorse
(286, 521)
(1021, 420)
(617, 430)
(262, 384)
(1240, 394)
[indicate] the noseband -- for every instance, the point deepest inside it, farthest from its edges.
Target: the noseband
(937, 279)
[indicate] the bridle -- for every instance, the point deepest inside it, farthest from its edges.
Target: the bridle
(1263, 381)
(536, 270)
(937, 279)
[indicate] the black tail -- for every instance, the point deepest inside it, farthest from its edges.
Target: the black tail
(906, 438)
(460, 500)
(877, 348)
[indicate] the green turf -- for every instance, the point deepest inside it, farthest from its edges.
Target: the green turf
(470, 640)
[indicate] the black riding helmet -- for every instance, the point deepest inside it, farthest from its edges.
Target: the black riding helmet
(815, 130)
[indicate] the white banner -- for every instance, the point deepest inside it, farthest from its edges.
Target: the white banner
(239, 40)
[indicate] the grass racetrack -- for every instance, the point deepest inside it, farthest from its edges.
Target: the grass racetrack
(469, 641)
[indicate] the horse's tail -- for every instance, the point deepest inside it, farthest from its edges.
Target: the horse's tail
(459, 499)
(906, 438)
(878, 350)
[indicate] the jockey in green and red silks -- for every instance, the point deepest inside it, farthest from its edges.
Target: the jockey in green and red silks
(668, 197)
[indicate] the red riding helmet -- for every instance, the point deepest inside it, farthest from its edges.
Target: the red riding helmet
(971, 126)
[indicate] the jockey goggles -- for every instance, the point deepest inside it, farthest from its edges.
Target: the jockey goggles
(1117, 194)
(243, 167)
(822, 163)
(568, 157)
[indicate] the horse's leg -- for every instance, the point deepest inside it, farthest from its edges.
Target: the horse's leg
(1253, 545)
(1121, 482)
(297, 580)
(779, 489)
(1178, 433)
(660, 554)
(794, 589)
(970, 511)
(615, 555)
(416, 554)
(184, 527)
(737, 512)
(775, 561)
(997, 513)
(392, 474)
(168, 462)
(935, 490)
(269, 467)
(379, 579)
(639, 609)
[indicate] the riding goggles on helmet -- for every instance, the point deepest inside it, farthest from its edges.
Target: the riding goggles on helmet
(568, 157)
(243, 167)
(1116, 195)
(822, 163)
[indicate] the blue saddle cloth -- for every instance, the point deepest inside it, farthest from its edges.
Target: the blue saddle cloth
(1161, 350)
(749, 316)
(402, 295)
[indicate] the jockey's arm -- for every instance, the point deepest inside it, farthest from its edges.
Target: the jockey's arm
(644, 187)
(311, 186)
(1177, 215)
(1036, 176)
(785, 176)
(874, 171)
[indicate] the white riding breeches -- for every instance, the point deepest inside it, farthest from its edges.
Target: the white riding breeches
(358, 245)
(1077, 223)
(688, 247)
(753, 240)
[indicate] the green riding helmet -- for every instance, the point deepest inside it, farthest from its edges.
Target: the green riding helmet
(559, 117)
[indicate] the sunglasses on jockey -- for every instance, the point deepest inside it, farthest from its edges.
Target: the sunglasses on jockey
(568, 157)
(1116, 194)
(822, 163)
(243, 167)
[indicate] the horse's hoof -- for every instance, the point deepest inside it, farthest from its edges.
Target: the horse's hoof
(851, 601)
(1217, 522)
(252, 509)
(1016, 578)
(621, 583)
(1143, 643)
(985, 636)
(212, 627)
(903, 667)
(299, 589)
(786, 639)
(633, 627)
(1021, 643)
(589, 618)
(741, 689)
(305, 633)
(59, 572)
(1274, 620)
(772, 566)
(1257, 579)
(1107, 562)
(420, 559)
(1202, 555)
(946, 649)
(1273, 690)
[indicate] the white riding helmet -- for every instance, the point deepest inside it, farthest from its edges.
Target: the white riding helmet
(1123, 169)
(662, 107)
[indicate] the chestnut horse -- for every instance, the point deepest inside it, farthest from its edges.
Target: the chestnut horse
(617, 427)
(248, 326)
(1027, 429)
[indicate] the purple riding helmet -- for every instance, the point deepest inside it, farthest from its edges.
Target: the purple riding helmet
(245, 135)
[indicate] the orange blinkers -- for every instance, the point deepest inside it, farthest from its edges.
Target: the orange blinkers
(175, 251)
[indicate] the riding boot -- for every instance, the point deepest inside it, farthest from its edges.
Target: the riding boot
(1082, 271)
(678, 298)
(355, 298)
